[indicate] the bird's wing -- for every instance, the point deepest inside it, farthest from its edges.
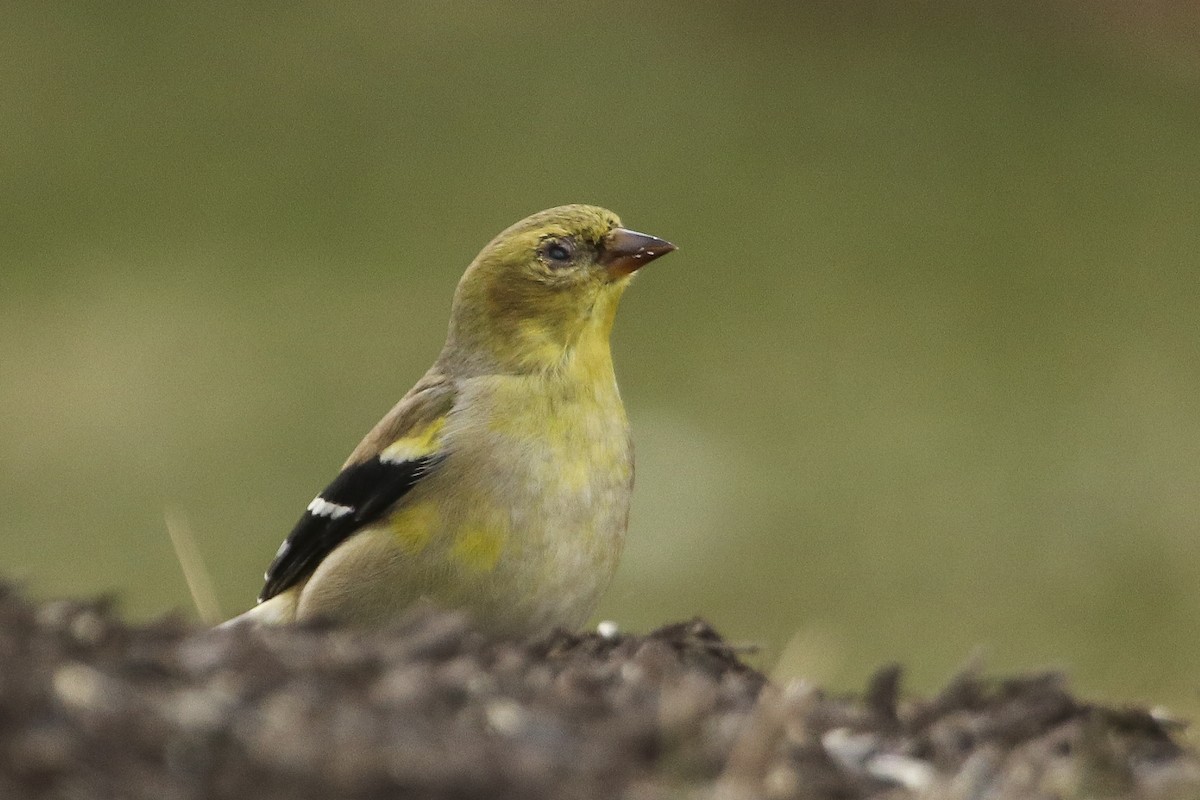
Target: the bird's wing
(391, 460)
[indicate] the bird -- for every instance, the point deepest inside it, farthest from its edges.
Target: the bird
(500, 484)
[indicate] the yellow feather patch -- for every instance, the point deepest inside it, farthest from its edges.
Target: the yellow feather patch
(479, 548)
(413, 526)
(576, 472)
(538, 343)
(415, 446)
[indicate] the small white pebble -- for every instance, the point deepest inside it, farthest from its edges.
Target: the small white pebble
(505, 716)
(847, 748)
(608, 629)
(1163, 716)
(798, 690)
(78, 686)
(911, 773)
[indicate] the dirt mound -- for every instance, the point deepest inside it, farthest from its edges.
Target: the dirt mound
(93, 708)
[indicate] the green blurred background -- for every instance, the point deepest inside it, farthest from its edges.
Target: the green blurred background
(923, 379)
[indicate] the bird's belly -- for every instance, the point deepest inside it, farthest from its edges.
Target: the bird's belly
(541, 544)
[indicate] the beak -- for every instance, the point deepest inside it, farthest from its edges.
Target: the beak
(624, 251)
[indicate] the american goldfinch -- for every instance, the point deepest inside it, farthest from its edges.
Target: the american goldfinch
(500, 484)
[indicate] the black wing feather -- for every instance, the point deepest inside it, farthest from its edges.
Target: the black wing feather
(369, 488)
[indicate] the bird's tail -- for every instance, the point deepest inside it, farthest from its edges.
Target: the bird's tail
(279, 610)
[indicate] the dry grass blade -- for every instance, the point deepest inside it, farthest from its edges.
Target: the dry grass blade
(194, 571)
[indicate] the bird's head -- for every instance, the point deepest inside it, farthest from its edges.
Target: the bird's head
(545, 290)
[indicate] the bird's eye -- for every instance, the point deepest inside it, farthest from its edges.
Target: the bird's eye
(558, 251)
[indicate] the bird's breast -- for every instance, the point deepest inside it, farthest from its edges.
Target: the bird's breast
(557, 453)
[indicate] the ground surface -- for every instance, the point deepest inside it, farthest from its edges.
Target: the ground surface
(93, 708)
